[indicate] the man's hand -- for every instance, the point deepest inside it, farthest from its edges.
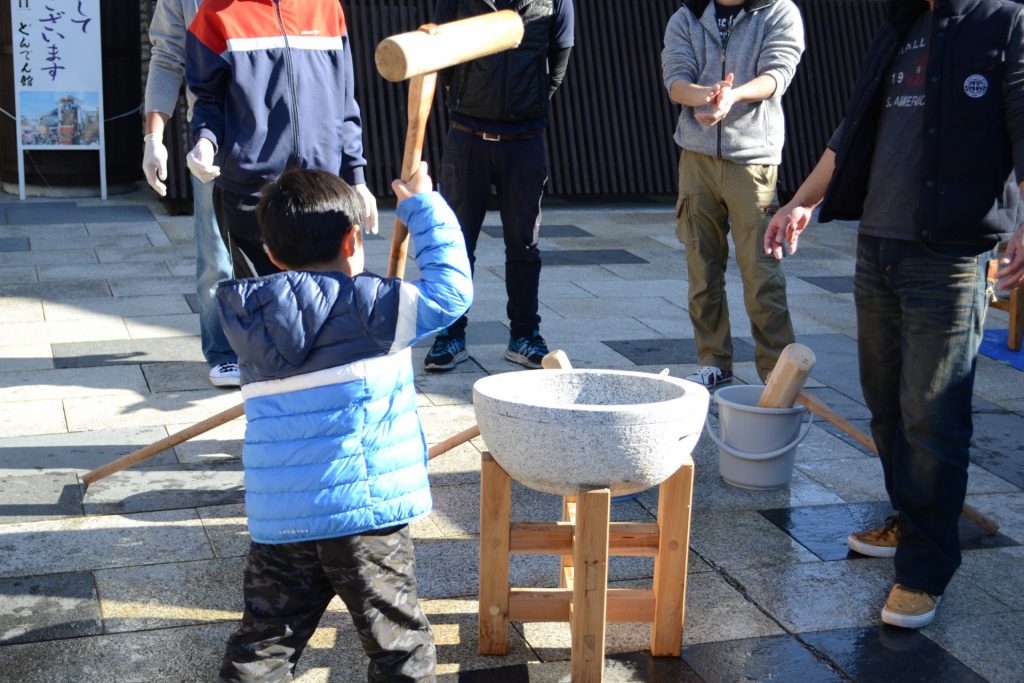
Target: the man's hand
(418, 184)
(369, 208)
(154, 163)
(785, 228)
(721, 98)
(200, 161)
(1011, 263)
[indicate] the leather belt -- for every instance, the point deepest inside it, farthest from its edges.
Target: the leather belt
(492, 137)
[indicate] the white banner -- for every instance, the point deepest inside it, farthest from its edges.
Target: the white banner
(58, 77)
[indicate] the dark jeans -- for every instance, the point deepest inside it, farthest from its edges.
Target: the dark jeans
(288, 587)
(920, 313)
(236, 215)
(518, 170)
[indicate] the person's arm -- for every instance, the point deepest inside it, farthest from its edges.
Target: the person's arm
(791, 220)
(166, 71)
(558, 63)
(679, 64)
(1011, 264)
(444, 290)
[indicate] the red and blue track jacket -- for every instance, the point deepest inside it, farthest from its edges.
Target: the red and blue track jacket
(274, 88)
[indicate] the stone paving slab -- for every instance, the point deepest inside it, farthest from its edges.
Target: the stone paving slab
(115, 412)
(29, 418)
(42, 215)
(59, 332)
(741, 539)
(25, 357)
(155, 326)
(990, 644)
(38, 385)
(57, 244)
(21, 311)
(673, 351)
(780, 658)
(12, 244)
(218, 444)
(77, 452)
(18, 274)
(36, 497)
(225, 526)
(95, 271)
(117, 306)
(171, 594)
(63, 290)
(137, 657)
(132, 352)
(51, 607)
(626, 306)
(996, 445)
(82, 544)
(150, 489)
(123, 286)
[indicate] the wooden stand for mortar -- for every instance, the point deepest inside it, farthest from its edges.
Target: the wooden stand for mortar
(585, 538)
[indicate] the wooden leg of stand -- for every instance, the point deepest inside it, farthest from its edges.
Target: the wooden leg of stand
(590, 585)
(495, 531)
(565, 569)
(674, 501)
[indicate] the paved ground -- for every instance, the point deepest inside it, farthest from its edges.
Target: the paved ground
(138, 578)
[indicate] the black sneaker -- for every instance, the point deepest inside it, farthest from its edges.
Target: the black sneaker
(709, 376)
(446, 353)
(527, 351)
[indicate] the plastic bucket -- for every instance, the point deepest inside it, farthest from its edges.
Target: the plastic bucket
(757, 446)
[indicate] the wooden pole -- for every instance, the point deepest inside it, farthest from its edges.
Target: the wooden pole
(495, 531)
(162, 445)
(670, 566)
(819, 408)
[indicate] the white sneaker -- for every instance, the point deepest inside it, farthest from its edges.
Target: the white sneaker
(224, 375)
(709, 376)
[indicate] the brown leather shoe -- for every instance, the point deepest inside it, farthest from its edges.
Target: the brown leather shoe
(909, 608)
(880, 542)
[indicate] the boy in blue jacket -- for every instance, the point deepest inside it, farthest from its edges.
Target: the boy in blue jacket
(335, 457)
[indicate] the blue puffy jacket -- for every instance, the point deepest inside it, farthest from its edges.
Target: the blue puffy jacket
(333, 444)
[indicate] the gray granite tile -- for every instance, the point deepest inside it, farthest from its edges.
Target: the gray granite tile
(88, 271)
(65, 242)
(990, 644)
(996, 445)
(638, 306)
(774, 658)
(18, 274)
(28, 418)
(9, 244)
(149, 286)
(999, 572)
(116, 306)
(546, 231)
(87, 543)
(25, 357)
(832, 283)
(138, 657)
(77, 452)
(821, 444)
(54, 607)
(589, 257)
(592, 329)
(36, 497)
(742, 539)
(445, 388)
(21, 311)
(225, 525)
(38, 215)
(672, 351)
(217, 445)
(156, 326)
(37, 385)
(461, 465)
(171, 594)
(63, 331)
(131, 352)
(186, 486)
(63, 290)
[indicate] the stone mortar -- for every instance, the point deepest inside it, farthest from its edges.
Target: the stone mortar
(561, 430)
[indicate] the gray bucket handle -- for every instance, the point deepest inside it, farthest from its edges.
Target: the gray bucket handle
(770, 454)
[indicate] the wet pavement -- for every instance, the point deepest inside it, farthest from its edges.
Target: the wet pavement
(138, 577)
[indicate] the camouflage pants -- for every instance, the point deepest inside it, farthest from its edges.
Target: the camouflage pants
(288, 587)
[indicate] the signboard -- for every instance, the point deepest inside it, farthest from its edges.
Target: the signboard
(58, 79)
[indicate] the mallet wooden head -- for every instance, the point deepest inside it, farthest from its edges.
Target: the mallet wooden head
(438, 46)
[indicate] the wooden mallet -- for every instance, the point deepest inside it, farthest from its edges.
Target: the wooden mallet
(417, 56)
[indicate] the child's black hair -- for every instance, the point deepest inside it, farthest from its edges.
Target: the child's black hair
(305, 214)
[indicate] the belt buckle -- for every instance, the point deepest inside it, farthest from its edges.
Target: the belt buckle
(490, 138)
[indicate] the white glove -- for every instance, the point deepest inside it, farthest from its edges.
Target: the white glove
(200, 161)
(369, 209)
(154, 163)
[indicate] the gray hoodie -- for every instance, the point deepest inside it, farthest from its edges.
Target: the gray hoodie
(171, 19)
(767, 38)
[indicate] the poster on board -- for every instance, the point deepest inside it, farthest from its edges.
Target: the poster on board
(58, 79)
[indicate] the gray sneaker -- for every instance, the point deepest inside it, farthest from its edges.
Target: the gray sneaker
(527, 351)
(709, 376)
(224, 375)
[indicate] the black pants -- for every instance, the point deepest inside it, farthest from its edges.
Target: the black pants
(236, 215)
(518, 169)
(288, 587)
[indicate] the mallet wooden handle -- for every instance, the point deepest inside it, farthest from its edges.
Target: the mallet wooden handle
(788, 377)
(817, 407)
(162, 445)
(421, 96)
(453, 441)
(437, 46)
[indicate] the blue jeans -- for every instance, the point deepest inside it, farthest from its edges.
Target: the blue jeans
(213, 264)
(518, 169)
(920, 313)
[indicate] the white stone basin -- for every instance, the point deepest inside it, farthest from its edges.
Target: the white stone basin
(559, 430)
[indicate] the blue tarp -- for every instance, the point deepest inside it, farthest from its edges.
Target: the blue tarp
(993, 345)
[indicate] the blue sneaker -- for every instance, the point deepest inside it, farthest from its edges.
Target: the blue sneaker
(446, 353)
(527, 351)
